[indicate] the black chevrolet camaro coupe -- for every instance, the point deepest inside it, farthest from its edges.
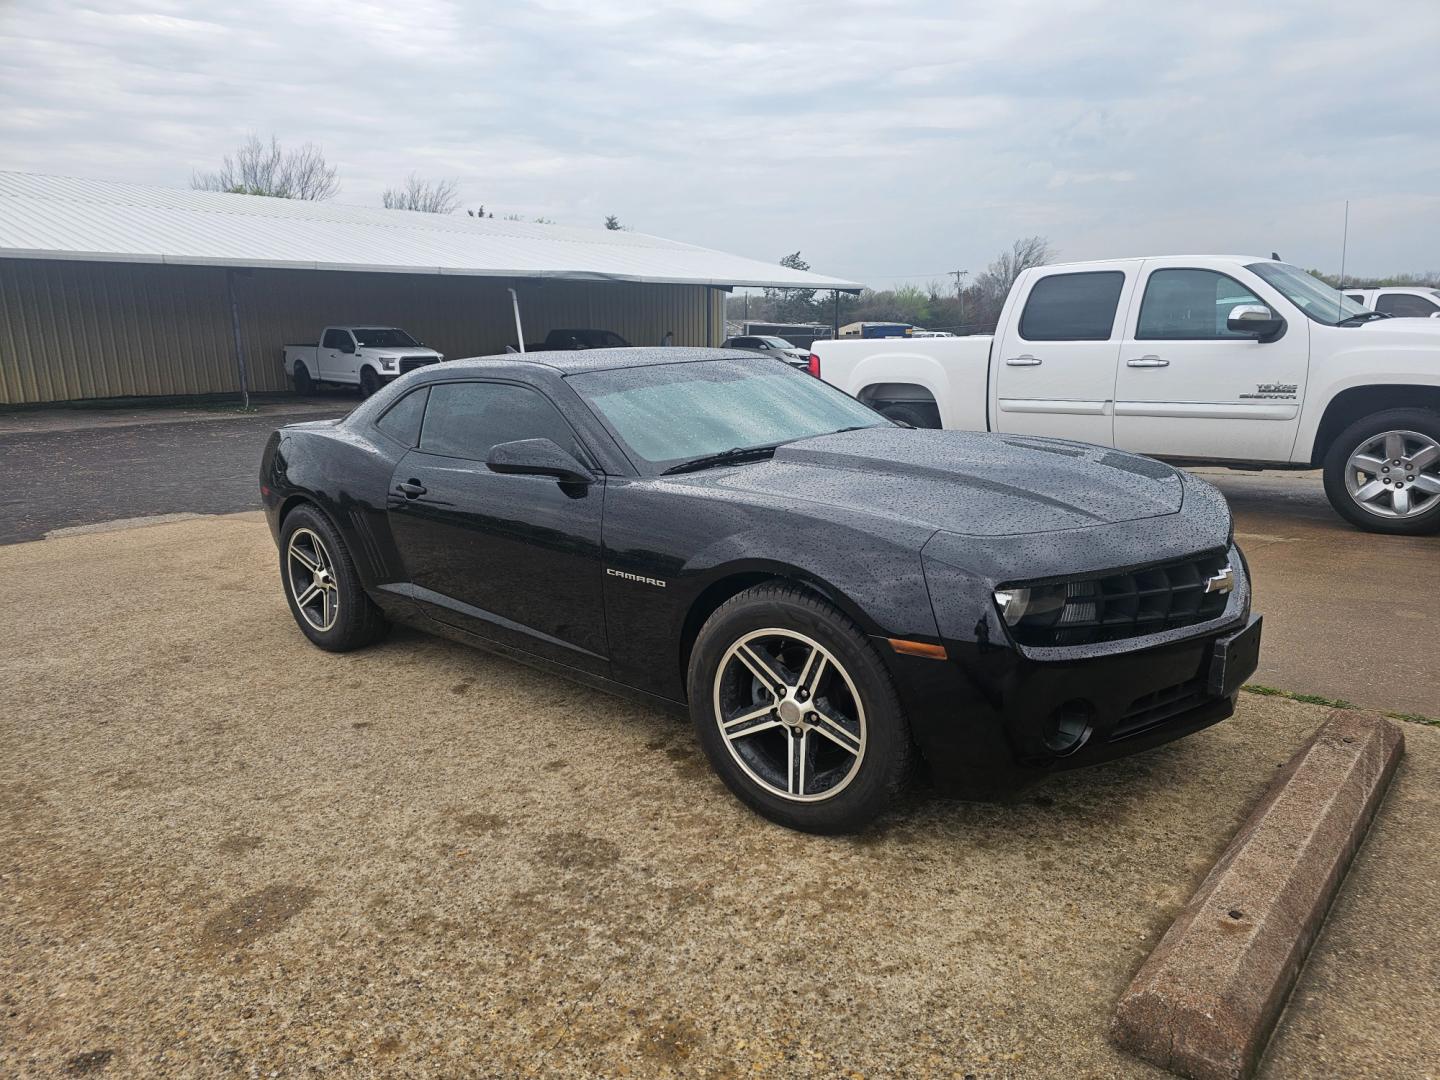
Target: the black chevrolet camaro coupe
(836, 599)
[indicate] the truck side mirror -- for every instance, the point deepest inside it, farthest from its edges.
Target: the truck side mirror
(1255, 320)
(538, 457)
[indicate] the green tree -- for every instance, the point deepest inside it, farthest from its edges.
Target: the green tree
(613, 223)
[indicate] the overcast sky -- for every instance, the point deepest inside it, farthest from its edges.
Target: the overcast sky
(882, 140)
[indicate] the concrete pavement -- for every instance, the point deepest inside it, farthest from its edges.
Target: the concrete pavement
(1348, 614)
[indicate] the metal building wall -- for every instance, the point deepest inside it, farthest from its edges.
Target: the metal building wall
(76, 330)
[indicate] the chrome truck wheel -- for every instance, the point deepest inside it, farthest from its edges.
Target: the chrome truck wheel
(1383, 472)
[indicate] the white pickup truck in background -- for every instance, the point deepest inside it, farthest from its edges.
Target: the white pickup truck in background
(1228, 360)
(363, 356)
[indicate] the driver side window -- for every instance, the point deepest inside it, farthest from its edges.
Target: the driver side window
(465, 419)
(335, 339)
(1190, 305)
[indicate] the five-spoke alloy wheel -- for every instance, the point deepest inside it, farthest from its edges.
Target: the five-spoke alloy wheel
(321, 586)
(309, 571)
(796, 710)
(790, 715)
(1383, 472)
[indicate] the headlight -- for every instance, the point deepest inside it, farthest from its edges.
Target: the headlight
(1035, 602)
(388, 361)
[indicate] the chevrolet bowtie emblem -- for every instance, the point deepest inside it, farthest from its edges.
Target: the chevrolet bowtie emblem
(1223, 582)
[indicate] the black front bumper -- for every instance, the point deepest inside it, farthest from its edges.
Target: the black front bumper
(985, 720)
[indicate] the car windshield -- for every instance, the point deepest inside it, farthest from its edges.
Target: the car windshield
(1311, 295)
(666, 414)
(777, 342)
(383, 337)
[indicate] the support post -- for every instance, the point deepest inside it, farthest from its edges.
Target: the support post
(837, 312)
(239, 340)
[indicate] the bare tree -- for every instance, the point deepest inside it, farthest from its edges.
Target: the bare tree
(427, 196)
(995, 282)
(258, 169)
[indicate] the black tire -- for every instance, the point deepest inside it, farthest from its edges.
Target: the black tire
(876, 775)
(1421, 421)
(303, 383)
(369, 382)
(918, 414)
(356, 621)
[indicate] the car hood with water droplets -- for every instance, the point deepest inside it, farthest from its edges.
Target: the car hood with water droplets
(962, 482)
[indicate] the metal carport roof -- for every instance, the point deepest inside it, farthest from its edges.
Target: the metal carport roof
(56, 217)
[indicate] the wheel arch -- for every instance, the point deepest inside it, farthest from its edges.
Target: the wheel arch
(1358, 402)
(735, 581)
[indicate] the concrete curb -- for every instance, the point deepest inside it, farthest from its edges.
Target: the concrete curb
(1204, 1003)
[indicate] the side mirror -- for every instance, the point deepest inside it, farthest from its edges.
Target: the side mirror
(538, 457)
(1254, 320)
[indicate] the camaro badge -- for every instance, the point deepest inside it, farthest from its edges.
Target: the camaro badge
(1223, 582)
(635, 577)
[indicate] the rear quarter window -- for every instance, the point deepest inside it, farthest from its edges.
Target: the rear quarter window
(1072, 307)
(401, 421)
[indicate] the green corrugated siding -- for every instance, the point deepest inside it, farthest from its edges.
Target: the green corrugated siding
(75, 330)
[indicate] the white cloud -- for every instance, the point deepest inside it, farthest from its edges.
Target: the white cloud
(879, 138)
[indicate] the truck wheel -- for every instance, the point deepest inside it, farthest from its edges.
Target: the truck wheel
(303, 383)
(1383, 472)
(369, 382)
(918, 414)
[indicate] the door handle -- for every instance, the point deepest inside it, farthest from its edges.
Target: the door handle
(1023, 361)
(411, 489)
(1147, 361)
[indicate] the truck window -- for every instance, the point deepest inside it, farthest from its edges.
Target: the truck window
(1190, 305)
(1072, 307)
(1405, 305)
(1359, 298)
(335, 339)
(466, 419)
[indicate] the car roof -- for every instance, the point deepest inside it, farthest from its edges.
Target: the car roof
(576, 361)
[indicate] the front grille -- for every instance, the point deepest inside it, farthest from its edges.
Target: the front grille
(1127, 605)
(410, 363)
(1146, 712)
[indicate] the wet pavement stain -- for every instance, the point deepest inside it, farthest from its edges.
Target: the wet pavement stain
(88, 1063)
(256, 915)
(479, 824)
(238, 844)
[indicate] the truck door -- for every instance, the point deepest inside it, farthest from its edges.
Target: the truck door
(1188, 387)
(336, 356)
(1054, 358)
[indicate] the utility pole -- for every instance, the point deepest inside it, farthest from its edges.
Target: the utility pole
(960, 276)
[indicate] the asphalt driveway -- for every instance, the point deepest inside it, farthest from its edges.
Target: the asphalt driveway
(226, 853)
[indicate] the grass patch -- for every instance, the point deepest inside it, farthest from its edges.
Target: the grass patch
(1304, 699)
(1335, 703)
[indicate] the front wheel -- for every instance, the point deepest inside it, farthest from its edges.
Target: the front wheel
(1383, 472)
(369, 382)
(797, 712)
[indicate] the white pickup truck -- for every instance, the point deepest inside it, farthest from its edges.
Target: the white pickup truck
(363, 356)
(1228, 360)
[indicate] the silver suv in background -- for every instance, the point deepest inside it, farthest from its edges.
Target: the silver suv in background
(770, 346)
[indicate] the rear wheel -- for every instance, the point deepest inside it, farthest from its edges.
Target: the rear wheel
(369, 381)
(321, 585)
(918, 414)
(303, 383)
(1383, 472)
(796, 711)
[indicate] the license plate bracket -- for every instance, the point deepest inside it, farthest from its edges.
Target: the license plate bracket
(1234, 659)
